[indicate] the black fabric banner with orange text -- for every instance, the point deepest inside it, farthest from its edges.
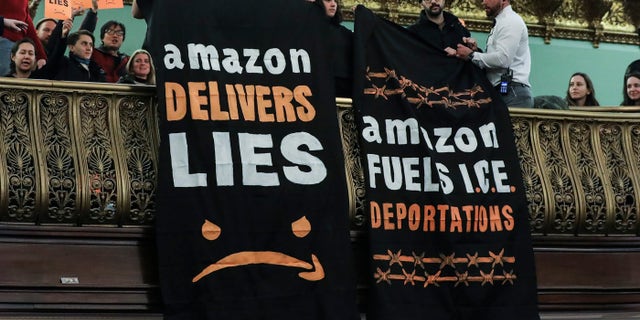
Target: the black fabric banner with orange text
(252, 218)
(449, 231)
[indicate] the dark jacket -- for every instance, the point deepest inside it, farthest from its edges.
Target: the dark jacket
(56, 40)
(450, 35)
(131, 79)
(72, 70)
(342, 63)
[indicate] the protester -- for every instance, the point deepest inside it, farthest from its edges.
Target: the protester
(507, 60)
(140, 69)
(44, 28)
(23, 59)
(23, 62)
(342, 41)
(79, 66)
(632, 89)
(17, 24)
(108, 55)
(438, 27)
(581, 92)
(53, 33)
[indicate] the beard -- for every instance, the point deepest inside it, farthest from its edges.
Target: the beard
(434, 11)
(491, 11)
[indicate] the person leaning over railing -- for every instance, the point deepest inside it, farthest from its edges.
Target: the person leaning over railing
(140, 69)
(581, 92)
(631, 92)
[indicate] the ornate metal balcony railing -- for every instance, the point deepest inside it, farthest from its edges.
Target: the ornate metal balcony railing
(76, 154)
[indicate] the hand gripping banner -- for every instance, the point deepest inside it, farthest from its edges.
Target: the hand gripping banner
(449, 231)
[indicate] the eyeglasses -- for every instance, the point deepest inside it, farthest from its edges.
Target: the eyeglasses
(115, 32)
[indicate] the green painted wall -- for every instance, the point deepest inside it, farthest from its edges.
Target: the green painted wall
(552, 64)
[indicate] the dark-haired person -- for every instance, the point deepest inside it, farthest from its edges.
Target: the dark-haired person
(112, 35)
(140, 69)
(581, 92)
(342, 41)
(17, 24)
(79, 66)
(23, 61)
(438, 27)
(631, 96)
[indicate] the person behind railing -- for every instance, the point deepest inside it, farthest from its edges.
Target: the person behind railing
(23, 61)
(140, 69)
(631, 92)
(79, 66)
(17, 24)
(342, 44)
(112, 35)
(439, 27)
(53, 33)
(581, 92)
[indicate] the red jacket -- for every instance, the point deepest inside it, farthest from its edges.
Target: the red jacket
(112, 68)
(19, 10)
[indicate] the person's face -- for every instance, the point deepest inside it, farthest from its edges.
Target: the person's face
(44, 32)
(578, 88)
(433, 7)
(330, 7)
(492, 7)
(141, 65)
(633, 89)
(25, 57)
(83, 47)
(113, 37)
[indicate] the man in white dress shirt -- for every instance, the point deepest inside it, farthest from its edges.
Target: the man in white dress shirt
(507, 60)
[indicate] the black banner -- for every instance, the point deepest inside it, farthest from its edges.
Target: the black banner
(252, 218)
(449, 231)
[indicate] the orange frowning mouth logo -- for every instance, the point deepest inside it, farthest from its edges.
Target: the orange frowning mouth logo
(300, 229)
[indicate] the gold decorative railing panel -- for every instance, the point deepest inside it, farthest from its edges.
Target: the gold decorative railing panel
(581, 169)
(77, 154)
(614, 21)
(74, 154)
